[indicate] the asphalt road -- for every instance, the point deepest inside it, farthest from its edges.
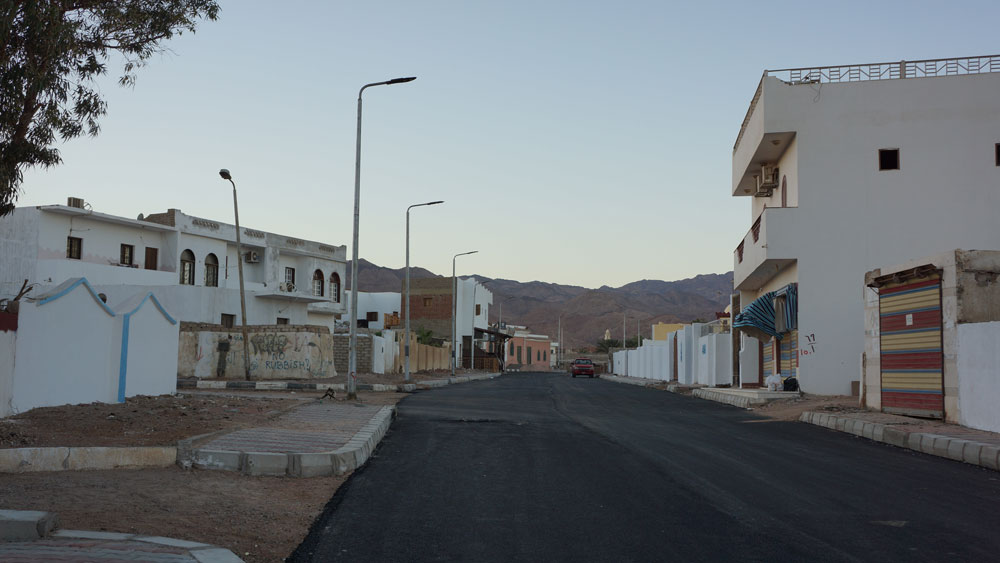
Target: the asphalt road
(539, 467)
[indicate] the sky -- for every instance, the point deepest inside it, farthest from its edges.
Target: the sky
(574, 142)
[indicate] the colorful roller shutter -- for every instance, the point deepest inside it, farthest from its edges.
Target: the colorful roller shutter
(767, 353)
(789, 353)
(910, 347)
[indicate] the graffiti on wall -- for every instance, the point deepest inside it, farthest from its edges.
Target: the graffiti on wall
(272, 355)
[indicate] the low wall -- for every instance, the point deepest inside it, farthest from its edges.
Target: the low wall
(978, 370)
(276, 352)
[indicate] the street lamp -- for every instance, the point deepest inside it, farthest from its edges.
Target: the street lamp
(239, 261)
(407, 313)
(454, 310)
(352, 390)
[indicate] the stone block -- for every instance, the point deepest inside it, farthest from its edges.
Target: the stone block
(956, 449)
(878, 432)
(941, 444)
(214, 555)
(26, 525)
(311, 464)
(91, 535)
(217, 459)
(988, 457)
(260, 463)
(867, 430)
(970, 454)
(897, 437)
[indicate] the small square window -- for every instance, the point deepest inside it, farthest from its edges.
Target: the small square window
(282, 321)
(478, 309)
(427, 301)
(372, 316)
(127, 255)
(888, 159)
(74, 248)
(228, 320)
(996, 147)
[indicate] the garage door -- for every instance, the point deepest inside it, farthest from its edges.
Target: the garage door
(910, 347)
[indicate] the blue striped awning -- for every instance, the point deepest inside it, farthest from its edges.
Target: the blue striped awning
(758, 318)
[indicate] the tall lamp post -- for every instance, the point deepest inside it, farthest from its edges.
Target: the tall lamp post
(406, 346)
(239, 261)
(352, 388)
(454, 310)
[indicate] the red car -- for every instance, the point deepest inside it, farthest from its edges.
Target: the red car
(582, 366)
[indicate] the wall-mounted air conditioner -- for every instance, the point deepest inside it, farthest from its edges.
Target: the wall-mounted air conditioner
(76, 202)
(286, 286)
(767, 181)
(252, 257)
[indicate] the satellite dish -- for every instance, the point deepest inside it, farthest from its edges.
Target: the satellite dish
(140, 217)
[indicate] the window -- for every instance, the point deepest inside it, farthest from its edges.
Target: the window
(511, 351)
(427, 301)
(888, 159)
(152, 258)
(545, 356)
(74, 248)
(478, 310)
(997, 148)
(211, 271)
(228, 320)
(187, 268)
(371, 316)
(335, 287)
(127, 256)
(519, 353)
(317, 287)
(282, 321)
(290, 275)
(529, 354)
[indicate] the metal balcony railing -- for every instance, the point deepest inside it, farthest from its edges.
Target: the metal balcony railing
(874, 71)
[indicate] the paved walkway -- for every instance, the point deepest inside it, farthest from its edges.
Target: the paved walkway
(307, 429)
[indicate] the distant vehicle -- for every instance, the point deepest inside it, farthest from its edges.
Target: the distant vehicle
(582, 366)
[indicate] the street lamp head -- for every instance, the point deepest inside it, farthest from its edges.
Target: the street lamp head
(225, 174)
(402, 80)
(435, 202)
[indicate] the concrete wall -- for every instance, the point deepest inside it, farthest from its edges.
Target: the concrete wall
(65, 351)
(851, 217)
(149, 342)
(749, 361)
(276, 352)
(687, 355)
(661, 330)
(381, 303)
(979, 375)
(715, 363)
(8, 347)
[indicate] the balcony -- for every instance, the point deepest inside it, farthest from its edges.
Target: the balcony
(766, 249)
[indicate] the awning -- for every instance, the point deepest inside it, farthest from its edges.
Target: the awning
(760, 320)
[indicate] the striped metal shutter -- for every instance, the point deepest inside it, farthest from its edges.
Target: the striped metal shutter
(767, 353)
(790, 354)
(910, 347)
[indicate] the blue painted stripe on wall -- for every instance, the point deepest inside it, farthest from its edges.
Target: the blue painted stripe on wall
(76, 284)
(123, 363)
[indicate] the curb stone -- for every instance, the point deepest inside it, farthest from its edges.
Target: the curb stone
(23, 525)
(190, 383)
(957, 449)
(25, 460)
(630, 380)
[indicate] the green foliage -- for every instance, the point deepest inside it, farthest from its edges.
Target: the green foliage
(424, 336)
(605, 346)
(51, 53)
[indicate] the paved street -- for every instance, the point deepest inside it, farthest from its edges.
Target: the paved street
(537, 467)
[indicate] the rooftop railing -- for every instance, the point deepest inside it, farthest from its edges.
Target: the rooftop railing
(874, 71)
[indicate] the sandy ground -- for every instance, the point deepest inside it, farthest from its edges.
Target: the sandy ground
(258, 518)
(791, 409)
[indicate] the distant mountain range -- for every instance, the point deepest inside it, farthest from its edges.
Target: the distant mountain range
(586, 313)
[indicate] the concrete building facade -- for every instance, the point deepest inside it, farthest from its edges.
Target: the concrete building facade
(849, 168)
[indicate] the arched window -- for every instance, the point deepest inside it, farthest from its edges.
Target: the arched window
(318, 283)
(335, 287)
(211, 271)
(187, 268)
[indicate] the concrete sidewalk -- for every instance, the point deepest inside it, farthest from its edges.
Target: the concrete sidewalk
(977, 447)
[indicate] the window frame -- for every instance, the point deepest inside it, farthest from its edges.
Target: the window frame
(318, 283)
(74, 248)
(126, 255)
(227, 320)
(211, 271)
(899, 159)
(290, 273)
(335, 287)
(187, 270)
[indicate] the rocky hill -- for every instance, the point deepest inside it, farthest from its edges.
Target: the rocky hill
(586, 313)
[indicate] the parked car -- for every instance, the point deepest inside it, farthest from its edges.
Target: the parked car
(582, 366)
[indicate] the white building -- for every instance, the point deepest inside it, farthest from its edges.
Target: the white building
(849, 168)
(190, 263)
(375, 307)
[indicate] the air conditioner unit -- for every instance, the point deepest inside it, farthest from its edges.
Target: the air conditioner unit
(252, 257)
(767, 181)
(286, 286)
(75, 202)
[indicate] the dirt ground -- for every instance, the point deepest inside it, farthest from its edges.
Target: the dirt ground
(139, 421)
(791, 409)
(258, 518)
(390, 378)
(261, 519)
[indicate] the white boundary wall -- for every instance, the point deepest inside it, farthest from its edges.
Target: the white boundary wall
(979, 375)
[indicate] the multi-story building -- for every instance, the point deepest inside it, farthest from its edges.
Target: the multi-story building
(190, 262)
(849, 168)
(431, 309)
